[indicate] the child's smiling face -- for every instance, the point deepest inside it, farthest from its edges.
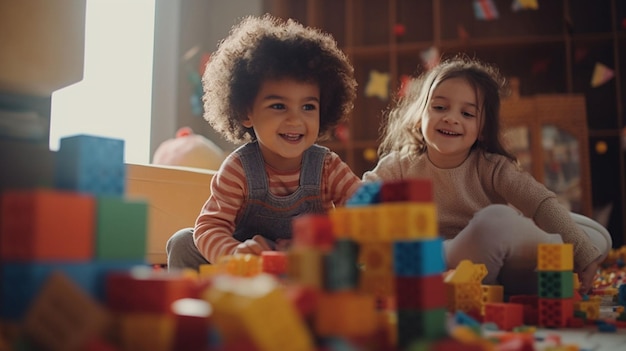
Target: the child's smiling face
(451, 122)
(285, 117)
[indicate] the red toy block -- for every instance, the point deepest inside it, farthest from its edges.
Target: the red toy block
(274, 262)
(505, 315)
(313, 230)
(554, 313)
(146, 292)
(46, 225)
(531, 307)
(421, 292)
(407, 190)
(303, 298)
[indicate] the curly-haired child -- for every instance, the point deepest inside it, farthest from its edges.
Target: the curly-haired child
(278, 87)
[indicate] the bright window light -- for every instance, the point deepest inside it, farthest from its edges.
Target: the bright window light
(114, 97)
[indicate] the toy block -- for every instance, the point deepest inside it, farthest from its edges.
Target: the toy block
(505, 315)
(407, 220)
(466, 297)
(91, 164)
(147, 331)
(341, 271)
(467, 272)
(274, 262)
(367, 194)
(303, 298)
(407, 190)
(418, 257)
(555, 312)
(590, 308)
(453, 345)
(341, 222)
(244, 265)
(192, 324)
(555, 257)
(492, 293)
(531, 307)
(420, 293)
(621, 295)
(364, 224)
(145, 291)
(207, 270)
(345, 314)
(21, 282)
(257, 307)
(421, 324)
(376, 258)
(313, 230)
(305, 266)
(557, 284)
(63, 317)
(39, 224)
(377, 284)
(121, 229)
(101, 269)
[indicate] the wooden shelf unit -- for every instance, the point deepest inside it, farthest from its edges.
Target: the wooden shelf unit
(552, 50)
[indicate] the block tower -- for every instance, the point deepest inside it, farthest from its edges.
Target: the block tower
(555, 265)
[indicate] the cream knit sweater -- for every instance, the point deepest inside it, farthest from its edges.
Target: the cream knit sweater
(481, 180)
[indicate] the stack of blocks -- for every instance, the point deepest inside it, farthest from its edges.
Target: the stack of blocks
(57, 244)
(555, 265)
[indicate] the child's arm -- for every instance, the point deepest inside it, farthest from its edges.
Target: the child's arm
(338, 181)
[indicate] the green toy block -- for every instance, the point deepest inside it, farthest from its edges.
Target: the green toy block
(556, 284)
(121, 229)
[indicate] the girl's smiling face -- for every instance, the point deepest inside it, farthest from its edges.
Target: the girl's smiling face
(451, 122)
(285, 117)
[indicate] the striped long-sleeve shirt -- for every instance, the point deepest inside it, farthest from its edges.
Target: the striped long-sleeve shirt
(213, 233)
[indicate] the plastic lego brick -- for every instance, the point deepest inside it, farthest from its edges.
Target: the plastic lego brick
(377, 284)
(63, 317)
(367, 194)
(243, 265)
(591, 309)
(492, 293)
(467, 272)
(145, 291)
(192, 324)
(341, 221)
(22, 281)
(341, 271)
(407, 190)
(306, 267)
(121, 229)
(407, 220)
(345, 314)
(313, 230)
(376, 258)
(554, 313)
(274, 262)
(39, 224)
(418, 257)
(364, 224)
(555, 257)
(420, 293)
(420, 324)
(146, 331)
(557, 284)
(91, 164)
(505, 315)
(466, 297)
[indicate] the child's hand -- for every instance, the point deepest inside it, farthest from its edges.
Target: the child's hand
(588, 275)
(255, 246)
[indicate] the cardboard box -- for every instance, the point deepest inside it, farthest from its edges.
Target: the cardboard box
(175, 196)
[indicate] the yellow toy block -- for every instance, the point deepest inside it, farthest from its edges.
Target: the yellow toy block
(407, 220)
(591, 308)
(379, 285)
(305, 266)
(243, 265)
(466, 297)
(376, 258)
(207, 270)
(340, 218)
(364, 224)
(491, 293)
(147, 331)
(345, 314)
(466, 272)
(555, 257)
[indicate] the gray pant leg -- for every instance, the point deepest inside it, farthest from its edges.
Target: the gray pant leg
(182, 252)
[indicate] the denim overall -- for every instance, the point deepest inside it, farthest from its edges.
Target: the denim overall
(267, 214)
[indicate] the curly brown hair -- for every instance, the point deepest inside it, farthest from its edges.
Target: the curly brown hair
(268, 48)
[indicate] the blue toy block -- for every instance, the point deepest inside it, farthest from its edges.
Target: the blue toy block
(91, 164)
(418, 257)
(367, 194)
(621, 295)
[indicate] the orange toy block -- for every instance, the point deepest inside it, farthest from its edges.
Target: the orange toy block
(47, 225)
(274, 262)
(305, 267)
(407, 220)
(313, 230)
(63, 317)
(346, 314)
(243, 265)
(505, 315)
(340, 217)
(364, 224)
(147, 331)
(555, 257)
